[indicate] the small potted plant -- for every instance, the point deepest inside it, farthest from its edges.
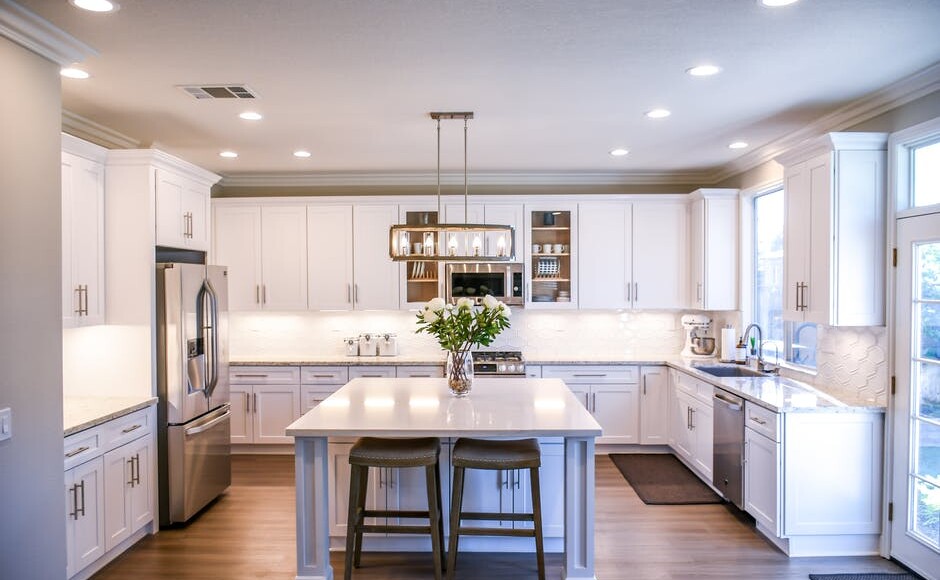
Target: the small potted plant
(460, 327)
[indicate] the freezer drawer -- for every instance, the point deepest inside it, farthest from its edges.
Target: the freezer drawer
(198, 463)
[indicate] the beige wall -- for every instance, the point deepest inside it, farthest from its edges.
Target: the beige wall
(32, 502)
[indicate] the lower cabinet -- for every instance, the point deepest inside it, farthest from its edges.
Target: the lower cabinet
(762, 479)
(654, 405)
(109, 488)
(265, 400)
(690, 429)
(611, 394)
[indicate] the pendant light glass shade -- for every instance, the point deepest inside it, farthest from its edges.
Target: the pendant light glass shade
(452, 242)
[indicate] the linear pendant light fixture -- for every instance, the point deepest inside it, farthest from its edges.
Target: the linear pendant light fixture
(442, 242)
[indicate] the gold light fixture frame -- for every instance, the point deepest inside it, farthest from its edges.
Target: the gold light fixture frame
(440, 241)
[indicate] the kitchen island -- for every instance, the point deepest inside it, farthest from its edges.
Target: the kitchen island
(419, 407)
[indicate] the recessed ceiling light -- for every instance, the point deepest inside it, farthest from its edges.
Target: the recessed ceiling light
(704, 70)
(74, 73)
(250, 116)
(95, 5)
(737, 145)
(619, 152)
(301, 153)
(658, 113)
(776, 3)
(228, 154)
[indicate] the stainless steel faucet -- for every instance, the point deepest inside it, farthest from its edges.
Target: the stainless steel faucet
(760, 344)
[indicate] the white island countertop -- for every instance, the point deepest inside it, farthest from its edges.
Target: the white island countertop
(419, 407)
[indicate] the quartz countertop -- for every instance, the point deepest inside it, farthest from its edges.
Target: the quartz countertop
(80, 413)
(336, 360)
(421, 407)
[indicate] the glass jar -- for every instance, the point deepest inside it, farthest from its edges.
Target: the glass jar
(459, 373)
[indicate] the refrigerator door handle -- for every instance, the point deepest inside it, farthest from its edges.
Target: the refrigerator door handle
(206, 426)
(208, 328)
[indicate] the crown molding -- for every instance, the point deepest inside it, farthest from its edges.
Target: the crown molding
(430, 179)
(75, 124)
(160, 160)
(40, 36)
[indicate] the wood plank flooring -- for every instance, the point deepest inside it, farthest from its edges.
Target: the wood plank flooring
(249, 534)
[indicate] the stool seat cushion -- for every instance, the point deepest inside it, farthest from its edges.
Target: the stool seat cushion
(494, 454)
(382, 452)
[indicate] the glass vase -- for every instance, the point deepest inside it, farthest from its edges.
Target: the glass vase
(459, 373)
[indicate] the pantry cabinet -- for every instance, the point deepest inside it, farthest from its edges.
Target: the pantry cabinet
(265, 250)
(713, 249)
(834, 230)
(83, 265)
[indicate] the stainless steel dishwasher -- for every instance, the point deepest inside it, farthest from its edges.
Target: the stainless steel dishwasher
(728, 467)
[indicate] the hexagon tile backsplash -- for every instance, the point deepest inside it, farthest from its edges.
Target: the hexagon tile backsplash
(852, 362)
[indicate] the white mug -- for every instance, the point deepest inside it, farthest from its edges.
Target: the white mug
(536, 248)
(558, 248)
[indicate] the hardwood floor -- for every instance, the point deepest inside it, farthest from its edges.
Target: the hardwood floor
(249, 534)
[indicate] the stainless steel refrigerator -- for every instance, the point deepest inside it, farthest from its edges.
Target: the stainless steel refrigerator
(194, 415)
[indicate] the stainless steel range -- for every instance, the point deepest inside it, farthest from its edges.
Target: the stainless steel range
(498, 363)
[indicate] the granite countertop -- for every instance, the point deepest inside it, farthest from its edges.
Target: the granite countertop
(80, 413)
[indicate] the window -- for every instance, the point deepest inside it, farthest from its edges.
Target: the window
(925, 173)
(790, 341)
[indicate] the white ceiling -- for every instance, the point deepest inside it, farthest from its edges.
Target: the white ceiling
(554, 84)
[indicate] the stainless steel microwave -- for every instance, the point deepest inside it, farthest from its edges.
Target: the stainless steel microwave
(477, 279)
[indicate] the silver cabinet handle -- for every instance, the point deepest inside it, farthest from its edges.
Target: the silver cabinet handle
(796, 289)
(698, 292)
(257, 294)
(251, 375)
(518, 479)
(373, 376)
(413, 376)
(264, 293)
(137, 469)
(636, 291)
(254, 402)
(74, 491)
(593, 402)
(323, 376)
(758, 420)
(197, 430)
(629, 292)
(81, 449)
(130, 463)
(644, 385)
(356, 293)
(589, 375)
(688, 418)
(80, 509)
(247, 403)
(391, 478)
(131, 428)
(691, 418)
(78, 292)
(747, 452)
(349, 293)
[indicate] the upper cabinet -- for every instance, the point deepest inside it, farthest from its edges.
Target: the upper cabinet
(265, 250)
(834, 232)
(182, 210)
(551, 255)
(713, 249)
(83, 264)
(632, 255)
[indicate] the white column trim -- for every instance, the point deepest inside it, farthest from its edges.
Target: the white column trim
(40, 36)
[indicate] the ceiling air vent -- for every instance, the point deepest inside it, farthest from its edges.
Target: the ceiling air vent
(220, 91)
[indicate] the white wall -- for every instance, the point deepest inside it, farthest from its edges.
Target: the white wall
(32, 499)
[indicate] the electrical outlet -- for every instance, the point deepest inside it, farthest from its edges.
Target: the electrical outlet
(6, 424)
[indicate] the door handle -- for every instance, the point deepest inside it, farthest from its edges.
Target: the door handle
(644, 385)
(130, 464)
(629, 292)
(356, 293)
(82, 509)
(137, 468)
(81, 449)
(254, 401)
(209, 425)
(74, 491)
(264, 293)
(257, 294)
(131, 428)
(691, 418)
(636, 291)
(349, 293)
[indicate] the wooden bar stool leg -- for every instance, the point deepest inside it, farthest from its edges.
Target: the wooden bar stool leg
(456, 505)
(440, 512)
(537, 519)
(352, 519)
(433, 516)
(361, 506)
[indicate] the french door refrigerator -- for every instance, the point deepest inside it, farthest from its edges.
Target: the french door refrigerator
(194, 416)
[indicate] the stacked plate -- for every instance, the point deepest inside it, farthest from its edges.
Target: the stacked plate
(547, 268)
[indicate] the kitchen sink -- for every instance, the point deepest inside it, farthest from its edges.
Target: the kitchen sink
(728, 371)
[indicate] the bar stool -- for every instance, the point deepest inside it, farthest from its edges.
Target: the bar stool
(493, 455)
(393, 453)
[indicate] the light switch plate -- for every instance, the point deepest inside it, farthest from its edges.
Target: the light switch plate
(6, 423)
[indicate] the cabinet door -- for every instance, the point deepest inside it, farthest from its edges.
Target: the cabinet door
(273, 408)
(796, 239)
(84, 492)
(118, 471)
(654, 419)
(682, 421)
(551, 491)
(660, 246)
(338, 473)
(375, 275)
(703, 438)
(721, 254)
(505, 214)
(617, 409)
(697, 253)
(310, 397)
(169, 215)
(194, 204)
(762, 479)
(406, 489)
(284, 257)
(82, 240)
(582, 393)
(817, 299)
(604, 242)
(330, 257)
(241, 417)
(140, 497)
(486, 490)
(237, 245)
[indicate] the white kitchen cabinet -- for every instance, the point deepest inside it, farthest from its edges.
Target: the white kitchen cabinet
(319, 382)
(84, 504)
(654, 409)
(83, 266)
(834, 230)
(265, 250)
(632, 255)
(762, 471)
(510, 214)
(611, 394)
(349, 265)
(551, 276)
(182, 211)
(419, 282)
(128, 484)
(713, 249)
(265, 400)
(420, 371)
(372, 372)
(692, 422)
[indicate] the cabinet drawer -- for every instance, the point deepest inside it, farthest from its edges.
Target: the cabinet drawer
(310, 396)
(371, 372)
(533, 372)
(592, 374)
(82, 446)
(762, 420)
(127, 428)
(698, 389)
(324, 375)
(435, 371)
(264, 375)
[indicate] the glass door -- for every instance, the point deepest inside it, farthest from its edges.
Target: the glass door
(915, 529)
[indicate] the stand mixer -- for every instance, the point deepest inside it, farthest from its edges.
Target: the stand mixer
(697, 345)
